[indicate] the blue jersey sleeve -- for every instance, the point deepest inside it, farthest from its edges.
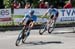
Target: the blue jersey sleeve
(35, 18)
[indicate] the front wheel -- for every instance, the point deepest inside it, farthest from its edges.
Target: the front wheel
(26, 34)
(42, 29)
(18, 39)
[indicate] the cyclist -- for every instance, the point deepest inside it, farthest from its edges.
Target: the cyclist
(53, 14)
(30, 19)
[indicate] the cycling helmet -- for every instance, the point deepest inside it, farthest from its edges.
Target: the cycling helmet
(31, 11)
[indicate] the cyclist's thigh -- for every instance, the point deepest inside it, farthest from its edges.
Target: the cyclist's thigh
(49, 21)
(56, 16)
(23, 27)
(28, 22)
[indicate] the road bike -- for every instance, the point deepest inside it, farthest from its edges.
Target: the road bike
(23, 35)
(47, 27)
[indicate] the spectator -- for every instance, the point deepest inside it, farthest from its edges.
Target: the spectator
(1, 4)
(68, 4)
(61, 3)
(22, 4)
(16, 5)
(27, 5)
(42, 4)
(46, 5)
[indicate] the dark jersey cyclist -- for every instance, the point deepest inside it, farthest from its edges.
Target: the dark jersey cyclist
(30, 19)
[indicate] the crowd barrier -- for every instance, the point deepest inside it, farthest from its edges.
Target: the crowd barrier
(65, 15)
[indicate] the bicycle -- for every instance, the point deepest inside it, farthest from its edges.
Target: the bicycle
(51, 24)
(44, 28)
(23, 35)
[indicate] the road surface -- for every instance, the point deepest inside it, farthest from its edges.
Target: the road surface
(61, 38)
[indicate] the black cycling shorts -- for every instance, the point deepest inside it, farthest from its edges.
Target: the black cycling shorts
(28, 22)
(54, 15)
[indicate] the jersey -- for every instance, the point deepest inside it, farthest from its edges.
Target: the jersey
(52, 11)
(28, 17)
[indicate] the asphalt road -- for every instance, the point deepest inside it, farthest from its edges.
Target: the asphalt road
(61, 38)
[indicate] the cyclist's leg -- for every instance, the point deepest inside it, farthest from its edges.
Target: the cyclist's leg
(55, 16)
(30, 25)
(50, 20)
(25, 28)
(48, 23)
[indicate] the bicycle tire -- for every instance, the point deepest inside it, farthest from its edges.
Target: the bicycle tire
(42, 29)
(25, 35)
(18, 39)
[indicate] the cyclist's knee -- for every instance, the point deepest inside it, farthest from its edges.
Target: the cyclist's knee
(31, 24)
(24, 27)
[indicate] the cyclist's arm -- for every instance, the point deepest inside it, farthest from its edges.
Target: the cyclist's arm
(46, 12)
(23, 20)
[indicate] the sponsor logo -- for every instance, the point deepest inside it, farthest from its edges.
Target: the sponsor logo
(4, 12)
(67, 19)
(5, 19)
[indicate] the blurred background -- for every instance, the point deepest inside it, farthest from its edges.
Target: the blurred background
(10, 14)
(32, 3)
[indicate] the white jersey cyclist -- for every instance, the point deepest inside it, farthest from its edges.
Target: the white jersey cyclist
(52, 12)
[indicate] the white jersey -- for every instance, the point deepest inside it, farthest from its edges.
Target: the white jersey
(52, 11)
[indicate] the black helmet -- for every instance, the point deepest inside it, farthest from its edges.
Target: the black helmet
(31, 11)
